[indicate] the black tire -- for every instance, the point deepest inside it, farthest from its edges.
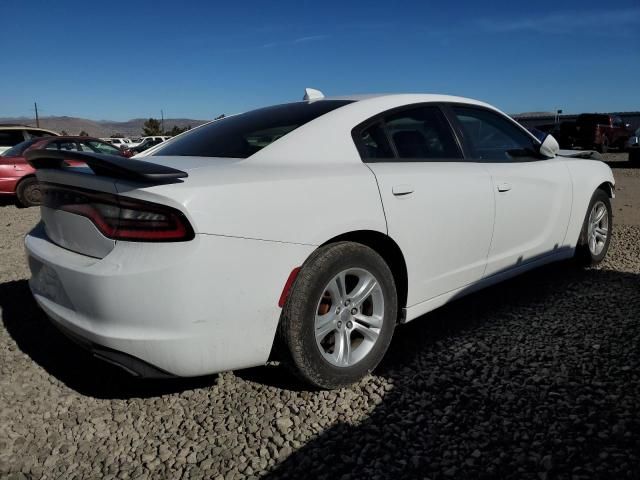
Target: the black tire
(584, 254)
(28, 192)
(634, 157)
(297, 323)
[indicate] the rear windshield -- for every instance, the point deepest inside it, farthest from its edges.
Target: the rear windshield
(19, 149)
(591, 119)
(240, 136)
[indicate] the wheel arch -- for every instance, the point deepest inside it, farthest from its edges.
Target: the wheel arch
(25, 177)
(608, 188)
(391, 253)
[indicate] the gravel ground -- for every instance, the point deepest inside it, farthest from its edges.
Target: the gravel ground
(534, 378)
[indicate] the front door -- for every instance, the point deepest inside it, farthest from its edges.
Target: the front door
(532, 194)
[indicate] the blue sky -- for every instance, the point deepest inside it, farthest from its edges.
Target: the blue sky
(123, 59)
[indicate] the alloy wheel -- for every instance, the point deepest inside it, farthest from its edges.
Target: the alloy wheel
(349, 317)
(598, 229)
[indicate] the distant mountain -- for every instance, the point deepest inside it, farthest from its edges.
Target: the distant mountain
(100, 128)
(533, 114)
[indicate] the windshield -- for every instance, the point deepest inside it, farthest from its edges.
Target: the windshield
(19, 149)
(240, 136)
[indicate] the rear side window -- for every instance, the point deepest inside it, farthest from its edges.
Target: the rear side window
(422, 133)
(99, 147)
(38, 134)
(240, 136)
(10, 138)
(374, 143)
(63, 145)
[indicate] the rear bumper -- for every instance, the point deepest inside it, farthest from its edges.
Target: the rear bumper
(132, 365)
(185, 308)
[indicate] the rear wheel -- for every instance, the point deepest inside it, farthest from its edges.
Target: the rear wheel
(596, 230)
(28, 192)
(339, 319)
(634, 156)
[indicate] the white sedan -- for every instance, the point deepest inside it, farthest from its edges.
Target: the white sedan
(306, 230)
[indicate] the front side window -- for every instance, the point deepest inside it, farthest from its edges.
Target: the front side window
(491, 137)
(240, 136)
(422, 133)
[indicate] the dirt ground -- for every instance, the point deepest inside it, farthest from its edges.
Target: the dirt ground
(626, 206)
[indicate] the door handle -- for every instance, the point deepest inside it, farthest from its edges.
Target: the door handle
(400, 190)
(504, 187)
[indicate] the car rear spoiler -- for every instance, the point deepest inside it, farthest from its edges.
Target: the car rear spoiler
(106, 165)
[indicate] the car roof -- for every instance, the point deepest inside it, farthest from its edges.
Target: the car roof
(407, 98)
(12, 126)
(70, 137)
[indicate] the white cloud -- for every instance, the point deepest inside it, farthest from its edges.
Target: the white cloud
(312, 38)
(566, 22)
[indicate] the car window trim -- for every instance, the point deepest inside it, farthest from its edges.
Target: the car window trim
(356, 133)
(453, 119)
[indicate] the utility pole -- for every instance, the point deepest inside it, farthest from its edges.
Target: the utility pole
(162, 121)
(558, 113)
(35, 105)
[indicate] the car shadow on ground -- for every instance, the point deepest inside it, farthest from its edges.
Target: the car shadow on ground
(7, 200)
(617, 164)
(563, 405)
(75, 367)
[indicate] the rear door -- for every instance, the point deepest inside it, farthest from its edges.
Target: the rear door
(532, 195)
(439, 208)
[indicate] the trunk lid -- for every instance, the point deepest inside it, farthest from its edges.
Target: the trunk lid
(100, 173)
(70, 231)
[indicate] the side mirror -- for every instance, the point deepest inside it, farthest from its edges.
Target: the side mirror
(549, 147)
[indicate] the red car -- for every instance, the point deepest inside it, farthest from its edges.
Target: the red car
(18, 178)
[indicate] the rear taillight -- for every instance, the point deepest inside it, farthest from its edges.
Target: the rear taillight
(120, 218)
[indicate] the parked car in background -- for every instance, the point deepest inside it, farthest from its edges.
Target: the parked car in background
(12, 135)
(122, 143)
(633, 147)
(160, 138)
(17, 177)
(146, 143)
(314, 227)
(157, 138)
(601, 132)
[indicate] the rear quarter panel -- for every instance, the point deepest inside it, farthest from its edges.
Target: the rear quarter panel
(308, 203)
